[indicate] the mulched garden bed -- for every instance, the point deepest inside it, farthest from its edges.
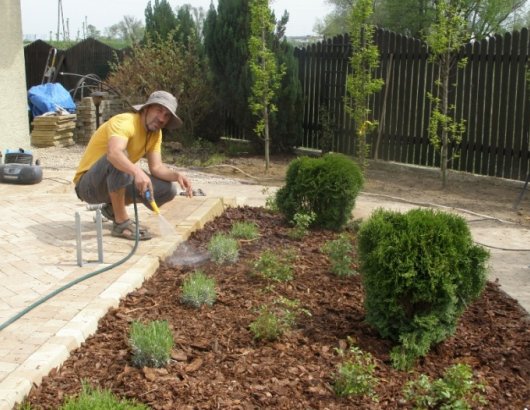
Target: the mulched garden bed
(217, 363)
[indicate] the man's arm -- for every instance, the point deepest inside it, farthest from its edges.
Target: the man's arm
(116, 154)
(160, 170)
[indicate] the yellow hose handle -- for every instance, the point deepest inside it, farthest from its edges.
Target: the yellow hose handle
(155, 207)
(152, 202)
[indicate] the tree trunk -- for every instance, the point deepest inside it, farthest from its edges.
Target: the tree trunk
(267, 138)
(445, 111)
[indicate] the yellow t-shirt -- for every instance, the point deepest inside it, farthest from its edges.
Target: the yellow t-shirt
(127, 126)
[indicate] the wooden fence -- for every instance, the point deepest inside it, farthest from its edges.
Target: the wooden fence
(491, 96)
(89, 56)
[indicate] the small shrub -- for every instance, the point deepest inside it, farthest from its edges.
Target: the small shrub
(236, 147)
(302, 221)
(353, 225)
(274, 266)
(151, 343)
(97, 399)
(198, 289)
(267, 326)
(223, 249)
(273, 321)
(420, 270)
(200, 153)
(270, 201)
(339, 252)
(455, 390)
(327, 186)
(244, 230)
(355, 375)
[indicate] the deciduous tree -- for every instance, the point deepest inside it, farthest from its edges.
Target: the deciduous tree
(266, 73)
(360, 83)
(444, 39)
(414, 17)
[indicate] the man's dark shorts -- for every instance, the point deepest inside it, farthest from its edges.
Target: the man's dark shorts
(102, 178)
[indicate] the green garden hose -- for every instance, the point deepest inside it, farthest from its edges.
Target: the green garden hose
(80, 279)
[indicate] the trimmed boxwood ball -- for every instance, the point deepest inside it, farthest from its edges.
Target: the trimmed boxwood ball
(327, 186)
(420, 270)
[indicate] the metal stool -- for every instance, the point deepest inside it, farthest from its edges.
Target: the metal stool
(99, 233)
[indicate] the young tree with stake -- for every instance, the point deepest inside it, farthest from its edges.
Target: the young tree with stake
(265, 71)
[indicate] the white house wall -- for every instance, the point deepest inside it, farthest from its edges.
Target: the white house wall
(14, 124)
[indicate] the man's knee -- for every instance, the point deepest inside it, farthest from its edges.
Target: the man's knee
(170, 194)
(164, 192)
(172, 191)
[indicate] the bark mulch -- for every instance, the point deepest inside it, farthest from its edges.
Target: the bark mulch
(216, 363)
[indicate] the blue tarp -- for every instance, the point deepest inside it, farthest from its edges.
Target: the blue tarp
(49, 97)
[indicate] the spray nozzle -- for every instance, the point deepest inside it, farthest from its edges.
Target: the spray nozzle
(151, 201)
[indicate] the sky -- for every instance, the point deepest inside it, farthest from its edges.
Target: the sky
(39, 17)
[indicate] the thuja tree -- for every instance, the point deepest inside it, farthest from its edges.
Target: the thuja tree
(266, 73)
(226, 33)
(445, 37)
(420, 270)
(326, 187)
(160, 19)
(286, 125)
(360, 83)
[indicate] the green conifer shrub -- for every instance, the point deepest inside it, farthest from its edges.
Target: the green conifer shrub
(420, 270)
(327, 186)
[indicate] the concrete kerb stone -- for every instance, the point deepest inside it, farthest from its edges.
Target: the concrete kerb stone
(136, 275)
(13, 390)
(40, 363)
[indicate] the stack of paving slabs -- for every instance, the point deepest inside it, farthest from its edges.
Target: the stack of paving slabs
(56, 130)
(111, 106)
(86, 121)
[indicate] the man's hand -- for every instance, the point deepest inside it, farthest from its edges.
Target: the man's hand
(185, 184)
(142, 182)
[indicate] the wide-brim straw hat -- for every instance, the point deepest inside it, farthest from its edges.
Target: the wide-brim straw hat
(166, 100)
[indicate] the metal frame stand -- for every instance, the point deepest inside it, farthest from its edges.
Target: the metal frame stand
(99, 236)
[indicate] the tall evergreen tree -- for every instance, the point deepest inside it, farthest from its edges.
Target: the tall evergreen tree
(286, 122)
(160, 19)
(186, 26)
(226, 34)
